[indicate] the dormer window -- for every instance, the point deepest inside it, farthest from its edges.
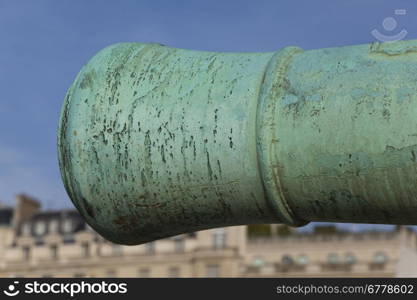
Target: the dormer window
(67, 226)
(53, 226)
(40, 228)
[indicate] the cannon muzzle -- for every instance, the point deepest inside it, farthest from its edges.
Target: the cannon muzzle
(155, 141)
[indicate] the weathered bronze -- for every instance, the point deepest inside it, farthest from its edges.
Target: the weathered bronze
(156, 141)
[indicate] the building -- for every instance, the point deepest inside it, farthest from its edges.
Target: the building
(36, 243)
(337, 254)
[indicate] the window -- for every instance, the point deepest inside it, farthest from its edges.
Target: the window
(350, 258)
(53, 226)
(150, 248)
(26, 252)
(67, 226)
(287, 260)
(333, 258)
(219, 238)
(144, 273)
(179, 245)
(302, 260)
(256, 264)
(212, 270)
(54, 251)
(40, 228)
(379, 258)
(174, 272)
(258, 261)
(85, 249)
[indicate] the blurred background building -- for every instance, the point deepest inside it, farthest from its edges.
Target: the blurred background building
(37, 243)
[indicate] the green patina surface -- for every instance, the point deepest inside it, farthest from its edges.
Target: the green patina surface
(156, 141)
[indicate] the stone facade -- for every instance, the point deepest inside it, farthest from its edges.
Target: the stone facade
(36, 243)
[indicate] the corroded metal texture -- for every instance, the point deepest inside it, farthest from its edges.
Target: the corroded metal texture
(156, 141)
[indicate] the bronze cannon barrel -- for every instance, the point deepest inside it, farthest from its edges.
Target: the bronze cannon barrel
(156, 141)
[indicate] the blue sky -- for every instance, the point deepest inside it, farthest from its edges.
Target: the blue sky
(43, 44)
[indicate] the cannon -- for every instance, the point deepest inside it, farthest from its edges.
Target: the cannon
(155, 141)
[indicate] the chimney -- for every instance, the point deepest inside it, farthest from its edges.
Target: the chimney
(26, 206)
